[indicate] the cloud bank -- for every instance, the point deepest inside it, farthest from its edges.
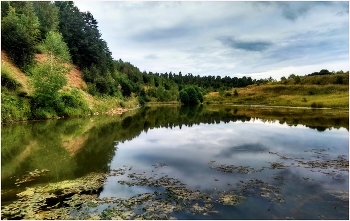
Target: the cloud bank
(257, 39)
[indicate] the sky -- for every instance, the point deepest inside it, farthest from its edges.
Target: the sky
(227, 38)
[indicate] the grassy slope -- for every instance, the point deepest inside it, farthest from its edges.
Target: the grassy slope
(331, 96)
(15, 107)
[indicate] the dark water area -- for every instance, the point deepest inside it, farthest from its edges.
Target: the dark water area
(228, 162)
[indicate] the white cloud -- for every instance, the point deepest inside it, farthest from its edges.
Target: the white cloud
(226, 38)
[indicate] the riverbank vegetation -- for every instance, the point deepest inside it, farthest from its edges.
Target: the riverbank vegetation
(55, 64)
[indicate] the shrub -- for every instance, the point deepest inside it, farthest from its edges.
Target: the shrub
(227, 94)
(235, 93)
(184, 97)
(54, 45)
(311, 92)
(14, 108)
(191, 95)
(48, 78)
(316, 105)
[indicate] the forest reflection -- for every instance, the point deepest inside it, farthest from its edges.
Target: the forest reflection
(71, 148)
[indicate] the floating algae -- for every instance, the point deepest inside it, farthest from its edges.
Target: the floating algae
(31, 176)
(77, 199)
(276, 165)
(230, 198)
(237, 169)
(34, 202)
(340, 163)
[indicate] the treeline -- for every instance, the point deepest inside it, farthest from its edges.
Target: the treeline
(60, 30)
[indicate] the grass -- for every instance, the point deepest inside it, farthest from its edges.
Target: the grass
(315, 96)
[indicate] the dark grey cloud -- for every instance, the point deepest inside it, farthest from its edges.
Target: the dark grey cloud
(151, 56)
(293, 10)
(161, 34)
(244, 45)
(312, 47)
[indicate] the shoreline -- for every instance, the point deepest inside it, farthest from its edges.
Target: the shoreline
(119, 111)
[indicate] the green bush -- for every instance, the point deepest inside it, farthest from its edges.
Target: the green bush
(316, 105)
(228, 94)
(184, 97)
(54, 45)
(191, 95)
(14, 108)
(48, 78)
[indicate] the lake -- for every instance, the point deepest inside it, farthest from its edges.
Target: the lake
(172, 162)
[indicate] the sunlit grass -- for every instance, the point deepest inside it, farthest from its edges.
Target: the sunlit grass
(330, 96)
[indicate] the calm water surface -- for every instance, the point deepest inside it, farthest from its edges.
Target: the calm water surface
(288, 164)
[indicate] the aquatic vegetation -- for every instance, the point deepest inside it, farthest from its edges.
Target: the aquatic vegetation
(277, 165)
(237, 169)
(34, 202)
(340, 164)
(230, 198)
(264, 189)
(32, 175)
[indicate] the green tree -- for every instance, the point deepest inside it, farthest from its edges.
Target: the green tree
(191, 95)
(19, 35)
(48, 78)
(47, 14)
(184, 97)
(5, 6)
(55, 46)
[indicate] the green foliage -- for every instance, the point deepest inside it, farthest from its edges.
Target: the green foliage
(317, 105)
(126, 87)
(323, 77)
(47, 14)
(14, 108)
(235, 93)
(339, 80)
(91, 88)
(19, 35)
(228, 94)
(184, 97)
(191, 95)
(80, 32)
(5, 6)
(48, 78)
(55, 46)
(162, 94)
(297, 79)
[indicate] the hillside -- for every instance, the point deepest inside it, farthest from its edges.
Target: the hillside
(17, 91)
(296, 95)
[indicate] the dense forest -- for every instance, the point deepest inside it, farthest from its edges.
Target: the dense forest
(67, 35)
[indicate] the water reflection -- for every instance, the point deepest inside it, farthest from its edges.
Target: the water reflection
(186, 139)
